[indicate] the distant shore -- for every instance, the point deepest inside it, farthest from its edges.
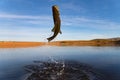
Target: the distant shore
(95, 42)
(15, 44)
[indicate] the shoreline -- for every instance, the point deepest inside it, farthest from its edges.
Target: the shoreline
(98, 42)
(16, 44)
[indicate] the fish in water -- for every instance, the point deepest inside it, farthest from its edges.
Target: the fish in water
(57, 23)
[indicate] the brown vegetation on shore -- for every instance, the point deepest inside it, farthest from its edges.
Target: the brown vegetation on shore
(14, 44)
(95, 42)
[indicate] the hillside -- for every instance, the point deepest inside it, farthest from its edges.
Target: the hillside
(94, 42)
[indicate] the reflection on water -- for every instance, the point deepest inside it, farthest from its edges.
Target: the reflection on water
(105, 59)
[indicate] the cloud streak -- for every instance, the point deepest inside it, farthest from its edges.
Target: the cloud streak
(39, 27)
(91, 23)
(66, 21)
(71, 6)
(14, 16)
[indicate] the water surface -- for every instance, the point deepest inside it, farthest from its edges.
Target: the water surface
(105, 59)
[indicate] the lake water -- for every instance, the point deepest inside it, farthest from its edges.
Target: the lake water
(105, 59)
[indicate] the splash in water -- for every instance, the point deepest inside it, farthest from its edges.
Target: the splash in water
(61, 70)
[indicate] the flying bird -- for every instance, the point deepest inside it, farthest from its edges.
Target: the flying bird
(57, 23)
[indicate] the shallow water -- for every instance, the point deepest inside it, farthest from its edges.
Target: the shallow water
(105, 59)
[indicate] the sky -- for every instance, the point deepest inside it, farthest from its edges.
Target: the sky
(31, 20)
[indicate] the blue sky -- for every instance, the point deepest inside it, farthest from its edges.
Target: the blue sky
(31, 20)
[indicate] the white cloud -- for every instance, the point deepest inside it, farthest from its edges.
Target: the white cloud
(98, 36)
(30, 34)
(90, 23)
(19, 32)
(26, 19)
(14, 16)
(71, 6)
(66, 21)
(52, 0)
